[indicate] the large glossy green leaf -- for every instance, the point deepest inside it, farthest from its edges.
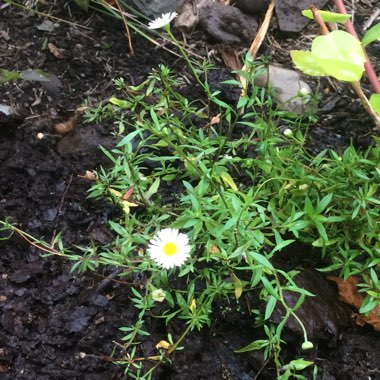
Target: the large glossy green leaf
(307, 63)
(344, 71)
(371, 35)
(339, 45)
(374, 100)
(337, 54)
(328, 16)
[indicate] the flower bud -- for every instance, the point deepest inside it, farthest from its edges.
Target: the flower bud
(302, 92)
(288, 132)
(158, 295)
(306, 345)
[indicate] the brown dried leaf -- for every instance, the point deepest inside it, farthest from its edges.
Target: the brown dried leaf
(349, 294)
(90, 176)
(64, 127)
(58, 53)
(215, 119)
(231, 59)
(214, 249)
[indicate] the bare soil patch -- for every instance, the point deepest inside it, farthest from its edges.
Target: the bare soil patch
(50, 317)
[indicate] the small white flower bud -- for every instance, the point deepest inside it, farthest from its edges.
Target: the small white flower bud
(303, 92)
(40, 136)
(288, 132)
(158, 295)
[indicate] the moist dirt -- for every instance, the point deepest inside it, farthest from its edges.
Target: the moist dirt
(57, 324)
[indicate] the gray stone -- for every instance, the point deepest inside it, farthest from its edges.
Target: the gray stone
(289, 14)
(226, 24)
(286, 83)
(155, 8)
(256, 7)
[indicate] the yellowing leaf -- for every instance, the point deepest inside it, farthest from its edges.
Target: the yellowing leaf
(163, 344)
(193, 305)
(238, 285)
(127, 205)
(214, 249)
(227, 179)
(115, 193)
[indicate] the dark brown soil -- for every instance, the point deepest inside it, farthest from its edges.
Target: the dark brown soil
(60, 325)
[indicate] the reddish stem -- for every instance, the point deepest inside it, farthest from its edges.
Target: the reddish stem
(368, 65)
(318, 19)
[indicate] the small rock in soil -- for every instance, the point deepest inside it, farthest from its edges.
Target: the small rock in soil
(289, 16)
(227, 24)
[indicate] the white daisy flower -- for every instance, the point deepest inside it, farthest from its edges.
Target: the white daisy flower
(158, 295)
(162, 21)
(169, 248)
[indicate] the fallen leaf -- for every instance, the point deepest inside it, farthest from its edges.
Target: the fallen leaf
(64, 127)
(58, 53)
(215, 119)
(349, 294)
(90, 176)
(4, 368)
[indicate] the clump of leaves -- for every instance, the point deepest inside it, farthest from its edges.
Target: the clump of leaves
(340, 55)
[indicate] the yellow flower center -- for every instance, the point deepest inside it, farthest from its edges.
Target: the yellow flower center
(170, 249)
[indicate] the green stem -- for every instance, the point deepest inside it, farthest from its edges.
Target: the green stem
(190, 162)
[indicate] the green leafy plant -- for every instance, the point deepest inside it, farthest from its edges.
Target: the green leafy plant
(209, 195)
(341, 55)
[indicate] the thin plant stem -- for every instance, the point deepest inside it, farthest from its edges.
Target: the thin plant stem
(126, 27)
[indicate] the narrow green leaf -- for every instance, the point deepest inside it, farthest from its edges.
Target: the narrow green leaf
(153, 189)
(322, 204)
(328, 16)
(371, 35)
(268, 287)
(368, 307)
(374, 100)
(262, 260)
(256, 345)
(120, 102)
(282, 245)
(299, 364)
(271, 304)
